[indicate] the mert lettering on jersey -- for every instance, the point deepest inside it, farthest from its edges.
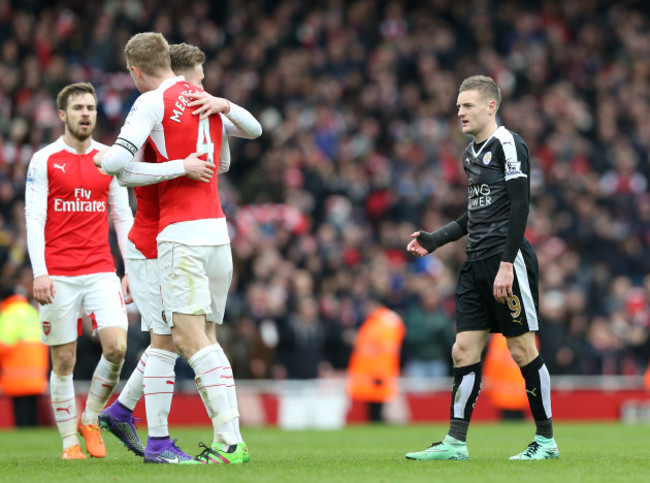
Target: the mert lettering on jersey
(479, 196)
(81, 203)
(180, 104)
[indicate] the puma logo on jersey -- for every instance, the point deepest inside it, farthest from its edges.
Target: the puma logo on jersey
(532, 392)
(60, 166)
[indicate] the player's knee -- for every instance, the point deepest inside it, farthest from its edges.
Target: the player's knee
(522, 354)
(114, 353)
(462, 354)
(63, 363)
(182, 345)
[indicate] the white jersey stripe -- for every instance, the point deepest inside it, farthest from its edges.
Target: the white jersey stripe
(512, 163)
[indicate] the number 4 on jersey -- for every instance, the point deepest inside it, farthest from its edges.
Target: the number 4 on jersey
(204, 143)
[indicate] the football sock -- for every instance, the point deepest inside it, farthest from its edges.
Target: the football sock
(158, 384)
(102, 385)
(213, 391)
(230, 388)
(133, 391)
(465, 391)
(538, 390)
(65, 408)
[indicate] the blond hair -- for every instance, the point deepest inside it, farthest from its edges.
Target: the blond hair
(185, 57)
(73, 90)
(484, 85)
(149, 52)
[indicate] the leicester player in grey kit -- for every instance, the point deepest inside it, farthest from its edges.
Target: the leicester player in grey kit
(497, 286)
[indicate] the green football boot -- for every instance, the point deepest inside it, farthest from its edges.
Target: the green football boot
(219, 454)
(242, 448)
(447, 449)
(540, 449)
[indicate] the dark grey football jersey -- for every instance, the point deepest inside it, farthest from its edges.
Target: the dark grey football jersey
(502, 157)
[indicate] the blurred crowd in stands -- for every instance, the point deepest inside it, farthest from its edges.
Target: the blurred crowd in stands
(361, 147)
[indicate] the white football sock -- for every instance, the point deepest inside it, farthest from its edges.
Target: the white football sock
(214, 394)
(230, 387)
(159, 381)
(133, 391)
(105, 378)
(65, 408)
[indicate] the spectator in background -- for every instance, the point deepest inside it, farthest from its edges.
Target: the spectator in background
(354, 93)
(250, 355)
(429, 337)
(24, 361)
(375, 360)
(503, 382)
(301, 343)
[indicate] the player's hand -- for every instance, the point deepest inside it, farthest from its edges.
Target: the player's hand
(126, 290)
(97, 159)
(503, 282)
(414, 246)
(207, 104)
(43, 289)
(198, 169)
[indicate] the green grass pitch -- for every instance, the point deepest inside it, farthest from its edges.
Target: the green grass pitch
(590, 452)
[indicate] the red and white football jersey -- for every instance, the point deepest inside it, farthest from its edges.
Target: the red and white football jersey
(184, 199)
(190, 211)
(67, 200)
(147, 216)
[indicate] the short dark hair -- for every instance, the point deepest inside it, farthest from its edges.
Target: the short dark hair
(185, 57)
(72, 90)
(485, 85)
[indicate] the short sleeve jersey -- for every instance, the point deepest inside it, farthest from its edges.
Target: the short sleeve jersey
(488, 167)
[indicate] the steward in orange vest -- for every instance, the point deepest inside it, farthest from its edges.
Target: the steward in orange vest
(24, 362)
(375, 361)
(503, 381)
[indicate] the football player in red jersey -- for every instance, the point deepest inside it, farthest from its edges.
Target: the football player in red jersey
(193, 242)
(67, 204)
(156, 367)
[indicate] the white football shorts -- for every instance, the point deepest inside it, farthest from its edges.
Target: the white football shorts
(144, 280)
(195, 279)
(99, 295)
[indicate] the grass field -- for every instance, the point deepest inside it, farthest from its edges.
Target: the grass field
(589, 452)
